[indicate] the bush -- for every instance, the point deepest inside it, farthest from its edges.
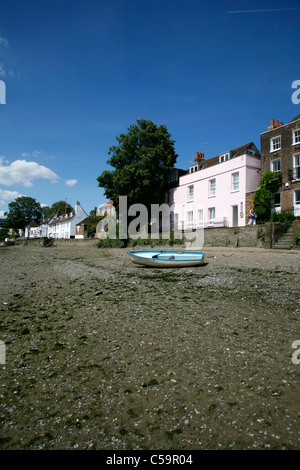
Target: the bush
(133, 242)
(111, 243)
(286, 218)
(297, 239)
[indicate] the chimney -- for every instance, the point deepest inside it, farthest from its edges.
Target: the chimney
(281, 124)
(199, 156)
(272, 125)
(276, 123)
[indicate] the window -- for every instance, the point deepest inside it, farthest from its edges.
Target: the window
(296, 137)
(296, 169)
(211, 215)
(235, 181)
(212, 187)
(200, 217)
(277, 202)
(276, 165)
(190, 219)
(275, 144)
(297, 202)
(190, 193)
(224, 157)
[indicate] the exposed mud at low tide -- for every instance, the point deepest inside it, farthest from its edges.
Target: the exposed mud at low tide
(104, 354)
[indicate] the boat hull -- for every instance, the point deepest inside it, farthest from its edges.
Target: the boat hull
(167, 258)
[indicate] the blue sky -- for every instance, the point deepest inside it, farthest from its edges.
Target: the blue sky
(79, 73)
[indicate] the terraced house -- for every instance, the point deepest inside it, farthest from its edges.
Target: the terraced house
(280, 152)
(216, 192)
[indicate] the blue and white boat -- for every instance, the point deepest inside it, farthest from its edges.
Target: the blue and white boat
(167, 258)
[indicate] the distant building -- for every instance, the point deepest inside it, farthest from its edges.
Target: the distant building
(32, 230)
(280, 153)
(64, 226)
(106, 209)
(81, 227)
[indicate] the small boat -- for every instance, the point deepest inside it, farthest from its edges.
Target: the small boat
(167, 258)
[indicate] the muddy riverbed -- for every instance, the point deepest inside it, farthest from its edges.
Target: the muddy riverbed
(104, 354)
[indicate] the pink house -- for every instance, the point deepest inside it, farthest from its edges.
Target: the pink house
(216, 192)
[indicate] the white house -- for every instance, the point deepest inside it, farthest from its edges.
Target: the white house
(32, 230)
(214, 192)
(64, 226)
(106, 209)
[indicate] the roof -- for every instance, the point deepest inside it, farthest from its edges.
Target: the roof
(87, 221)
(237, 152)
(32, 224)
(109, 203)
(61, 221)
(295, 118)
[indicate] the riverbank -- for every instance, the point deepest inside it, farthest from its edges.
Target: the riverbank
(104, 354)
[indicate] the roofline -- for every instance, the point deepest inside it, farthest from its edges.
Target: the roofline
(280, 127)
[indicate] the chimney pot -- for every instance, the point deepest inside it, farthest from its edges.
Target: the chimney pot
(281, 124)
(276, 123)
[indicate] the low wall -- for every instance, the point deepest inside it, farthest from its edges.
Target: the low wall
(67, 242)
(252, 236)
(235, 236)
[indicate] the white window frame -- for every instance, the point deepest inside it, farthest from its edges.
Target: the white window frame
(224, 157)
(211, 215)
(297, 203)
(190, 219)
(274, 147)
(235, 185)
(200, 220)
(296, 167)
(272, 164)
(296, 138)
(190, 195)
(212, 187)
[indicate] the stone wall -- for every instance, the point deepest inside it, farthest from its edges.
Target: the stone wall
(235, 236)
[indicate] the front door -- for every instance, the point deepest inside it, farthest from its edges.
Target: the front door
(235, 220)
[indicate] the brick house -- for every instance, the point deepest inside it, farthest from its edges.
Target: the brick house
(280, 152)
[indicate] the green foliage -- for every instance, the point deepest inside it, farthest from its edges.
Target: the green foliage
(283, 217)
(22, 211)
(91, 229)
(270, 181)
(263, 203)
(286, 218)
(59, 206)
(47, 242)
(141, 163)
(111, 243)
(139, 242)
(263, 197)
(297, 239)
(3, 234)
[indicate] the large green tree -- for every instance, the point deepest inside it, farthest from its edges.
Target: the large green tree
(57, 206)
(141, 163)
(22, 211)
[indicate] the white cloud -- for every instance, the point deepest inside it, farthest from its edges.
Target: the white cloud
(9, 195)
(2, 71)
(2, 213)
(44, 205)
(71, 182)
(34, 154)
(23, 173)
(3, 42)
